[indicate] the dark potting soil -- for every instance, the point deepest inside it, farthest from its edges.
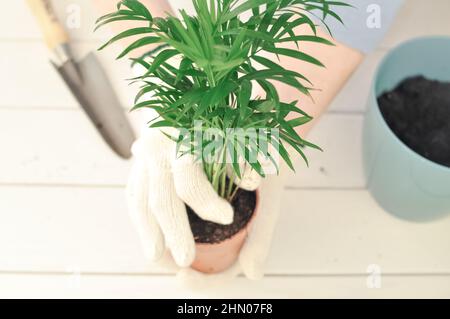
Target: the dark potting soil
(418, 111)
(205, 232)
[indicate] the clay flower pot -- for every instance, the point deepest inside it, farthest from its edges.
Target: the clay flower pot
(403, 182)
(216, 258)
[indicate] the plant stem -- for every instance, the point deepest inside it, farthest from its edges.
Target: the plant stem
(231, 180)
(215, 178)
(231, 198)
(224, 182)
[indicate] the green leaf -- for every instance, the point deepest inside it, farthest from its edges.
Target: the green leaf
(294, 54)
(266, 106)
(307, 38)
(162, 124)
(138, 8)
(267, 63)
(149, 104)
(119, 18)
(246, 6)
(145, 90)
(161, 58)
(245, 94)
(214, 96)
(292, 108)
(138, 44)
(118, 13)
(280, 22)
(126, 34)
(300, 121)
(222, 47)
(283, 152)
(249, 34)
(294, 145)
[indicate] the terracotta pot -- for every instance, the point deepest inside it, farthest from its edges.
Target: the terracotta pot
(215, 258)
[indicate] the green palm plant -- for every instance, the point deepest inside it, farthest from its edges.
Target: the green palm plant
(221, 53)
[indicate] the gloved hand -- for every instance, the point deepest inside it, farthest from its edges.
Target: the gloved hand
(254, 253)
(161, 182)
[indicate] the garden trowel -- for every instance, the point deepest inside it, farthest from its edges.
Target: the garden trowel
(87, 81)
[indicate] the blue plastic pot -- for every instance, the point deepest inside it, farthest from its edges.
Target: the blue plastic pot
(403, 182)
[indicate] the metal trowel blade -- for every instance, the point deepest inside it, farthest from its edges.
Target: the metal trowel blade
(90, 85)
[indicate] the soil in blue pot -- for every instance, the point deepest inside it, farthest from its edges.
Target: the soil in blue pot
(418, 112)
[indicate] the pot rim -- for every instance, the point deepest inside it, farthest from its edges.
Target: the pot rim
(373, 96)
(244, 229)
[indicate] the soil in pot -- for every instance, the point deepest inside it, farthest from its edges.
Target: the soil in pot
(418, 112)
(205, 232)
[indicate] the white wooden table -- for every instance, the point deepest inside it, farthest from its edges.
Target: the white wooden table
(64, 230)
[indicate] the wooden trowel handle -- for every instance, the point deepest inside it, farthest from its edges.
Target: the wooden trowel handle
(54, 33)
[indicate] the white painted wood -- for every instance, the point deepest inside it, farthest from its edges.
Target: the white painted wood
(51, 146)
(65, 228)
(346, 231)
(29, 80)
(61, 190)
(53, 229)
(62, 147)
(148, 287)
(340, 164)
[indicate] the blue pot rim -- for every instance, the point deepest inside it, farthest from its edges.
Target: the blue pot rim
(377, 108)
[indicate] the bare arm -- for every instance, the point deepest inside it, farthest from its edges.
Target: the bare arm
(158, 8)
(355, 39)
(340, 62)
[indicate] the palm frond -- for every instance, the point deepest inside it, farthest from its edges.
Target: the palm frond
(222, 55)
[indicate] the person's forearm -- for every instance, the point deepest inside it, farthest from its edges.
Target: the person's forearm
(340, 62)
(355, 38)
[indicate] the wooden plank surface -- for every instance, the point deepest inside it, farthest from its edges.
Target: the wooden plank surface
(62, 208)
(131, 287)
(62, 147)
(30, 81)
(320, 232)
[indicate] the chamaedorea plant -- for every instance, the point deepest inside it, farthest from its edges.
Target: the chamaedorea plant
(222, 56)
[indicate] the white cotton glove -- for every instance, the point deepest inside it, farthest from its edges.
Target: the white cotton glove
(256, 249)
(161, 182)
